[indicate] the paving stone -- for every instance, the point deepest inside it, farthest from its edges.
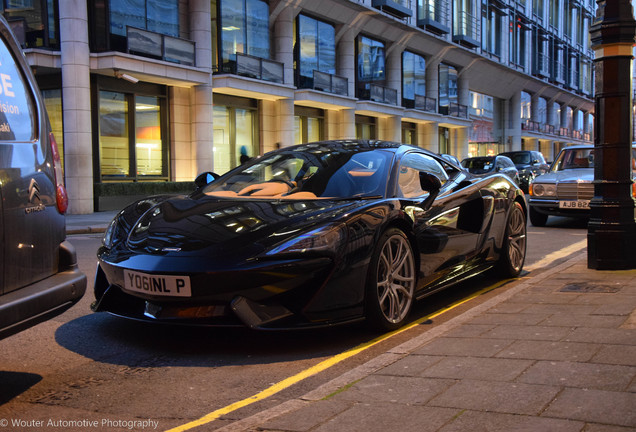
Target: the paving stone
(475, 347)
(597, 406)
(616, 354)
(389, 417)
(587, 321)
(502, 397)
(306, 418)
(545, 333)
(580, 375)
(395, 389)
(552, 309)
(475, 421)
(484, 369)
(470, 330)
(518, 319)
(604, 336)
(542, 350)
(592, 427)
(412, 365)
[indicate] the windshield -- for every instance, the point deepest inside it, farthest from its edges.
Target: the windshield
(519, 158)
(479, 165)
(308, 173)
(574, 159)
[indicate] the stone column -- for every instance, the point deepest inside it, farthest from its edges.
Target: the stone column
(285, 109)
(346, 64)
(432, 81)
(76, 95)
(284, 43)
(348, 124)
(201, 110)
(394, 71)
(514, 128)
(429, 133)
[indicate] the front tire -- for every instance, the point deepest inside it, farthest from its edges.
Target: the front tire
(538, 219)
(513, 250)
(391, 280)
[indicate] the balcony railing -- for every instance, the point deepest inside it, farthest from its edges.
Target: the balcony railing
(330, 83)
(425, 103)
(457, 110)
(255, 67)
(163, 47)
(398, 8)
(549, 129)
(564, 132)
(378, 93)
(530, 125)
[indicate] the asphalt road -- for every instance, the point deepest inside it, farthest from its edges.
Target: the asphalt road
(84, 371)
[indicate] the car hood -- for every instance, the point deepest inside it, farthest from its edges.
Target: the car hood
(185, 225)
(569, 175)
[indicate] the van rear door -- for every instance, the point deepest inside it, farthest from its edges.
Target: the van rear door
(32, 227)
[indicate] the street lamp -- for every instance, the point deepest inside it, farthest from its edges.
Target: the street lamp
(611, 238)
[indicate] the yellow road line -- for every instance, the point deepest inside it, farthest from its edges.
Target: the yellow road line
(323, 365)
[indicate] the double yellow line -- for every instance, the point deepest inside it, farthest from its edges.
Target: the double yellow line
(323, 365)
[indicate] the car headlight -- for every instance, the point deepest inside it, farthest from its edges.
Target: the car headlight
(112, 233)
(328, 238)
(543, 190)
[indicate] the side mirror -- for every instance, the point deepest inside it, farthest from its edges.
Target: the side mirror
(430, 182)
(205, 179)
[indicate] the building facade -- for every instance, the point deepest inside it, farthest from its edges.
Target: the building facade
(158, 91)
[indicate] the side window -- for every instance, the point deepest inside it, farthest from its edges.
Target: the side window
(409, 174)
(16, 103)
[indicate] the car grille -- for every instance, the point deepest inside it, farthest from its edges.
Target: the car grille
(575, 191)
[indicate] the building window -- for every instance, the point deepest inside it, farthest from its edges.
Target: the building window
(518, 30)
(447, 88)
(34, 22)
(308, 124)
(244, 29)
(159, 16)
(235, 131)
(491, 25)
(526, 106)
(132, 136)
(413, 78)
(433, 15)
(482, 116)
(53, 103)
(555, 14)
(465, 23)
(366, 127)
(314, 49)
(409, 133)
(371, 65)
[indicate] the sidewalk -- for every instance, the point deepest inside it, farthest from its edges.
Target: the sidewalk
(89, 223)
(555, 352)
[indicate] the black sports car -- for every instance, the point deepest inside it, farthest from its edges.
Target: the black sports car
(312, 235)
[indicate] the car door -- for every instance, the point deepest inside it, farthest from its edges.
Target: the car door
(448, 226)
(32, 229)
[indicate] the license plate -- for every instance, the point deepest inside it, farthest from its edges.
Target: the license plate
(581, 204)
(159, 285)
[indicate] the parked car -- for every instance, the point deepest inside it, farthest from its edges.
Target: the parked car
(481, 165)
(39, 277)
(312, 235)
(529, 163)
(566, 190)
